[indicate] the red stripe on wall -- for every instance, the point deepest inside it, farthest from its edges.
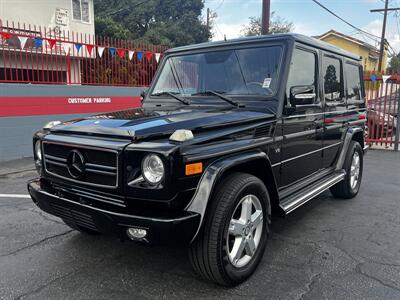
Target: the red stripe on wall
(58, 105)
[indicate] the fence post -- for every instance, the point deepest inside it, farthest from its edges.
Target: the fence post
(396, 140)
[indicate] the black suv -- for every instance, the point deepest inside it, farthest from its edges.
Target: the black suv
(228, 133)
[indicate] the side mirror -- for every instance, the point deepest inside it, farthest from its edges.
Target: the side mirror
(302, 95)
(143, 95)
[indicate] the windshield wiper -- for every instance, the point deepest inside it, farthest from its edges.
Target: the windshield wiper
(222, 97)
(180, 99)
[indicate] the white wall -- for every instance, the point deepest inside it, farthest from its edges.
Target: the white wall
(43, 13)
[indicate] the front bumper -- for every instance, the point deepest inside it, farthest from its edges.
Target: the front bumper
(180, 228)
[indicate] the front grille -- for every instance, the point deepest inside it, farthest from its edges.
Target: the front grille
(89, 197)
(99, 167)
(73, 216)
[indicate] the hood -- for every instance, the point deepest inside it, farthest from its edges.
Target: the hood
(140, 123)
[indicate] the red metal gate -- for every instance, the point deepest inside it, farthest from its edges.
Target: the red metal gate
(34, 54)
(383, 96)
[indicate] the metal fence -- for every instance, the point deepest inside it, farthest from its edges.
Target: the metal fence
(383, 103)
(33, 54)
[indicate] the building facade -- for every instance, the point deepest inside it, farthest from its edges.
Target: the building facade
(56, 19)
(58, 15)
(368, 53)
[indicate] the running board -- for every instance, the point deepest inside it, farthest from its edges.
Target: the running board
(309, 192)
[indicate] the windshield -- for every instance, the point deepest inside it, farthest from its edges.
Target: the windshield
(240, 72)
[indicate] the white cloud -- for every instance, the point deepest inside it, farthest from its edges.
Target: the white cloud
(306, 29)
(230, 30)
(375, 28)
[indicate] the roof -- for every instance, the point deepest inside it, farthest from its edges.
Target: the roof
(269, 38)
(349, 38)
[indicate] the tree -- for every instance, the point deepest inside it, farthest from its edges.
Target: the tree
(394, 64)
(168, 22)
(332, 84)
(276, 25)
(108, 27)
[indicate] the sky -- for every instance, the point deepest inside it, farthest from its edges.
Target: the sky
(309, 18)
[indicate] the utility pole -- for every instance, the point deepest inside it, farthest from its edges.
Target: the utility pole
(266, 13)
(208, 18)
(383, 40)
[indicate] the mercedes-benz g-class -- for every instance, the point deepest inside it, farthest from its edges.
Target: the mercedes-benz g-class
(228, 133)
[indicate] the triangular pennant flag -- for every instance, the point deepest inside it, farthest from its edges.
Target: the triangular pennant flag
(38, 42)
(121, 52)
(385, 77)
(78, 47)
(51, 43)
(140, 55)
(22, 40)
(112, 51)
(131, 53)
(149, 55)
(66, 47)
(158, 55)
(89, 49)
(6, 35)
(100, 50)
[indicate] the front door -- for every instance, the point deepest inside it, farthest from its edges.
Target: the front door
(302, 144)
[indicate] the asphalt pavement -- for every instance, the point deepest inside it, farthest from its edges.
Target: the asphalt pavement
(329, 249)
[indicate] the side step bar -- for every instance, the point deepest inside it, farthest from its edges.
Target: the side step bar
(303, 196)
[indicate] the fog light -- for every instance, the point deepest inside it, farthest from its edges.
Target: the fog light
(136, 233)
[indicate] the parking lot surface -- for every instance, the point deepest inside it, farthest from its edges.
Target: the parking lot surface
(329, 249)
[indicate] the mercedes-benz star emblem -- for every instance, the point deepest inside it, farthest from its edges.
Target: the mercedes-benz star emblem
(76, 164)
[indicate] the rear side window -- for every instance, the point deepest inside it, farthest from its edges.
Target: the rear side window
(302, 70)
(353, 82)
(333, 80)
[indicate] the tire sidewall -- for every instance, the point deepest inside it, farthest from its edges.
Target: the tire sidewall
(355, 147)
(257, 188)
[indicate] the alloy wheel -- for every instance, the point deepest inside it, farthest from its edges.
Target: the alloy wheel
(245, 231)
(355, 170)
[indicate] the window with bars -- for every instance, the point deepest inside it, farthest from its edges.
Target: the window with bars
(81, 10)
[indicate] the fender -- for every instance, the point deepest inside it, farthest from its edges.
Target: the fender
(347, 139)
(208, 180)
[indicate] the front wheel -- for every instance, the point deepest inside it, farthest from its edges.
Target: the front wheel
(353, 165)
(233, 237)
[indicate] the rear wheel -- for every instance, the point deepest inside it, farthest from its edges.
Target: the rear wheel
(353, 165)
(233, 237)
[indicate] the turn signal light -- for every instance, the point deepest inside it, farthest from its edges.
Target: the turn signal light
(193, 169)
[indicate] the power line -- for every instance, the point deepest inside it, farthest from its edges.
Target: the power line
(383, 39)
(220, 4)
(343, 20)
(122, 9)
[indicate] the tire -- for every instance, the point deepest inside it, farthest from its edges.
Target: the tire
(346, 189)
(209, 252)
(81, 229)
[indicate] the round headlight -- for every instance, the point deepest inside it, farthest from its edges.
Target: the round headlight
(153, 169)
(38, 150)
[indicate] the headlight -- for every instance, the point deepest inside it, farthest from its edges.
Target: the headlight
(153, 169)
(38, 150)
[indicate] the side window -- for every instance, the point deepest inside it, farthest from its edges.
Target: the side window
(303, 69)
(333, 81)
(353, 81)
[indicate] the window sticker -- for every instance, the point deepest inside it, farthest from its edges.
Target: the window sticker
(267, 82)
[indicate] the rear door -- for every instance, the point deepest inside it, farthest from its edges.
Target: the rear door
(334, 107)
